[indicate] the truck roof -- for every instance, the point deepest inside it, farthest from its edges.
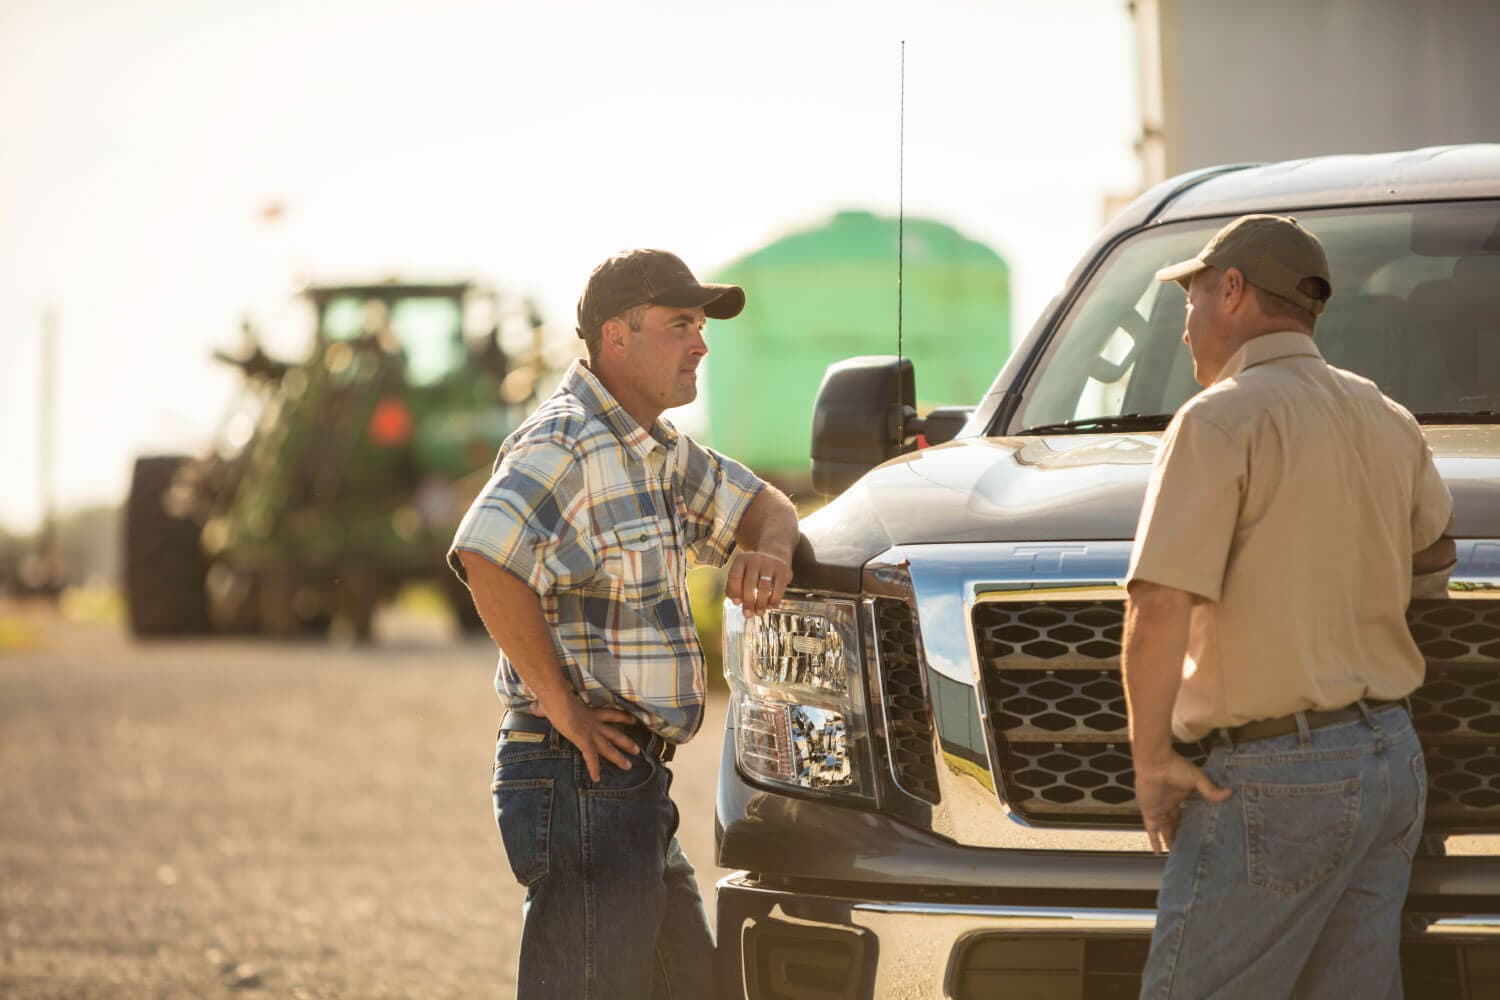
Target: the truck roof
(1435, 173)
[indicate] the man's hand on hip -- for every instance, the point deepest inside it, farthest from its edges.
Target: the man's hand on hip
(590, 731)
(756, 581)
(1162, 788)
(513, 613)
(1156, 632)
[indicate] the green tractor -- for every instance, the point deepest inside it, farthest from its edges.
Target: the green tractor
(334, 481)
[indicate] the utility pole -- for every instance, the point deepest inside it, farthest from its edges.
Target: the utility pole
(50, 575)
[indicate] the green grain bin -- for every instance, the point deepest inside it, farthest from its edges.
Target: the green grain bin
(826, 293)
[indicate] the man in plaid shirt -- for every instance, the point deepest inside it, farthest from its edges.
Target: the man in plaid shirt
(576, 553)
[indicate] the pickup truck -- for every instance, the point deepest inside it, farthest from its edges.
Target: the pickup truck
(926, 780)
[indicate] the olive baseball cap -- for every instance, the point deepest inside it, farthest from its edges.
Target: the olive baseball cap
(1273, 252)
(638, 277)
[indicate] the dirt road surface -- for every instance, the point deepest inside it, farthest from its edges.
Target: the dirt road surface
(251, 819)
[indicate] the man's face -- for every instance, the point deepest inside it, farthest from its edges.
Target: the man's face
(661, 358)
(1204, 327)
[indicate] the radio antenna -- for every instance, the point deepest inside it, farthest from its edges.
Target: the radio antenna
(900, 223)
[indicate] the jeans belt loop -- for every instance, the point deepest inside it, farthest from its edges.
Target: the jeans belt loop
(1304, 731)
(1369, 717)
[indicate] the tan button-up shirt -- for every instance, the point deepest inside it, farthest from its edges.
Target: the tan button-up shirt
(1290, 497)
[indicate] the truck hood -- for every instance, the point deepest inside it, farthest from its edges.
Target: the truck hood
(1075, 487)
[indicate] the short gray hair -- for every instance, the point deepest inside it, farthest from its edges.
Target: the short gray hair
(633, 318)
(1276, 307)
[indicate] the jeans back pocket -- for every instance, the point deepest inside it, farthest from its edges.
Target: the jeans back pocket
(1298, 835)
(523, 811)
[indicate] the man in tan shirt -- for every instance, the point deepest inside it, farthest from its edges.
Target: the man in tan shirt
(1289, 506)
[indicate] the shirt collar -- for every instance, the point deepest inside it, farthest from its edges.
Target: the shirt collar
(1269, 347)
(583, 384)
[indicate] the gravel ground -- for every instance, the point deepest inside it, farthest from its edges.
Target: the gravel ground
(237, 818)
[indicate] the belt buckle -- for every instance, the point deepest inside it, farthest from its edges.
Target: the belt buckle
(655, 745)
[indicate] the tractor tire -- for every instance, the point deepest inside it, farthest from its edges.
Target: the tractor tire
(164, 566)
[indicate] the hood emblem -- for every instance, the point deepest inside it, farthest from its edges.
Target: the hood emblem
(1045, 557)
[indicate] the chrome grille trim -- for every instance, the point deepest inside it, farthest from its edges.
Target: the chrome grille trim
(904, 699)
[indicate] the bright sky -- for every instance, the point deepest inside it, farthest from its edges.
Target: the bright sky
(515, 142)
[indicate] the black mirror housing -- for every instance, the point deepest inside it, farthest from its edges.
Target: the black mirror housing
(858, 418)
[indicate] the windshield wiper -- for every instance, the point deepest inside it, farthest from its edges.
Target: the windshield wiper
(1121, 422)
(1457, 417)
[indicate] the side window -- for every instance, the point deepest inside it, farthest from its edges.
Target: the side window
(430, 329)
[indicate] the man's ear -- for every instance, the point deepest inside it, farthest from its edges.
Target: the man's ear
(1232, 287)
(613, 331)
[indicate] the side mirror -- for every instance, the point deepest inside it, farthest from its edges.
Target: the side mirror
(858, 419)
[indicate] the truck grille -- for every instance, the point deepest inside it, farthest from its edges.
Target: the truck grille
(908, 721)
(1102, 967)
(1056, 707)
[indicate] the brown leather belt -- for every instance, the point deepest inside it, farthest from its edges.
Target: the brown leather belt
(1264, 729)
(652, 745)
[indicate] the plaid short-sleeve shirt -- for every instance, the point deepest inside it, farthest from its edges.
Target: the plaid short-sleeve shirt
(601, 518)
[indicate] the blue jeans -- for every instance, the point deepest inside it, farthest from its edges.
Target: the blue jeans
(612, 906)
(1294, 885)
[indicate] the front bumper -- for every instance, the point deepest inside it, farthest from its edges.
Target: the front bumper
(777, 942)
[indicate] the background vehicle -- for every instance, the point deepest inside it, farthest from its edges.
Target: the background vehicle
(336, 479)
(926, 775)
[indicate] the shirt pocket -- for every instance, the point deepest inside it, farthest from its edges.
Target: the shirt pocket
(636, 558)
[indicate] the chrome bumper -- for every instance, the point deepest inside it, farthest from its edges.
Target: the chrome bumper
(914, 949)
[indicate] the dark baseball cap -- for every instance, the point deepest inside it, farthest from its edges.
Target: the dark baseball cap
(1273, 252)
(638, 277)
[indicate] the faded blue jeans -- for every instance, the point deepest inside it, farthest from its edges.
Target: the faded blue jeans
(612, 906)
(1294, 885)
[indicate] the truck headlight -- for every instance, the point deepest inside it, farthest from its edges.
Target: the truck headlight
(798, 696)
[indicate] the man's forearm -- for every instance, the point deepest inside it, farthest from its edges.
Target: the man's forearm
(1438, 556)
(769, 525)
(512, 613)
(1156, 630)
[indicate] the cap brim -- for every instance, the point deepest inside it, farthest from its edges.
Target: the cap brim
(1181, 272)
(717, 301)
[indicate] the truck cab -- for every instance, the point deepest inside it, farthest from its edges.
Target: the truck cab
(926, 780)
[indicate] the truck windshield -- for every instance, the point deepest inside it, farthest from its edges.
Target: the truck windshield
(1415, 308)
